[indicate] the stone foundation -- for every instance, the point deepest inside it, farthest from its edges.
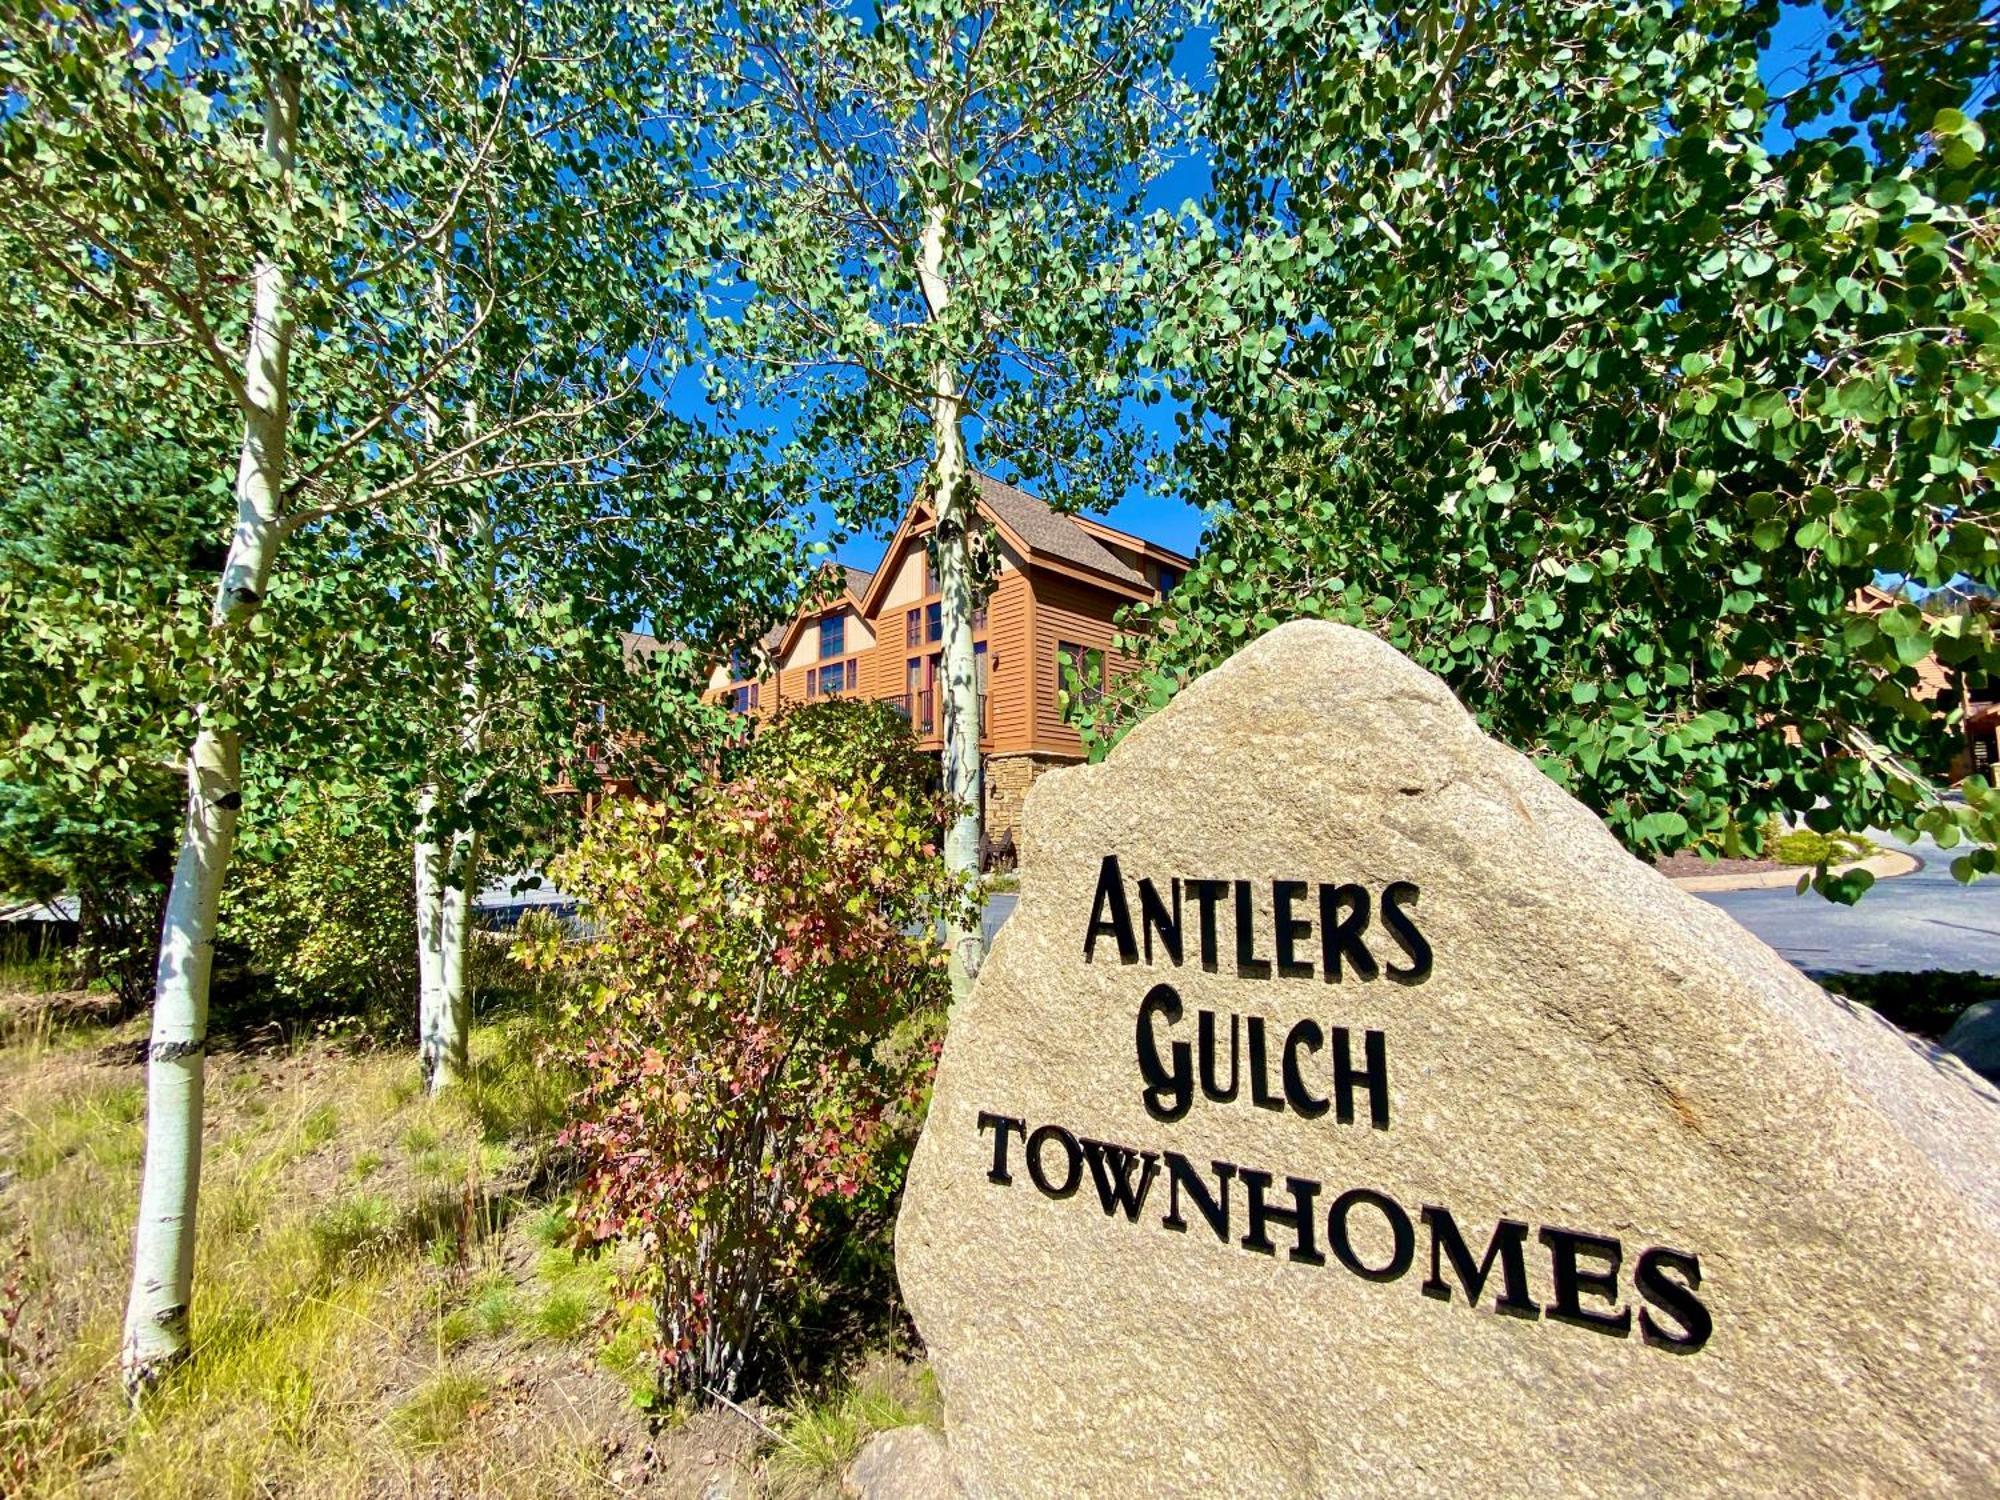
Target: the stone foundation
(1008, 778)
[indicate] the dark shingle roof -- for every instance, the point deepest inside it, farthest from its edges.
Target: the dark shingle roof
(858, 580)
(639, 647)
(1049, 532)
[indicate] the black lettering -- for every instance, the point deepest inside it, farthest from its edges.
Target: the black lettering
(1304, 1037)
(1168, 1093)
(1260, 1078)
(1573, 1282)
(1505, 1247)
(1205, 1035)
(1110, 916)
(1404, 931)
(1073, 1169)
(1299, 1217)
(1000, 1125)
(1340, 931)
(1155, 918)
(1403, 1236)
(1285, 894)
(1181, 1174)
(1374, 1078)
(1111, 1169)
(1674, 1298)
(1248, 964)
(1206, 893)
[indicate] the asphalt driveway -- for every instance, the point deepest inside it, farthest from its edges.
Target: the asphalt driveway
(1924, 920)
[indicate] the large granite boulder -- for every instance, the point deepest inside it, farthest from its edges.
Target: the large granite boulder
(1343, 1112)
(1974, 1038)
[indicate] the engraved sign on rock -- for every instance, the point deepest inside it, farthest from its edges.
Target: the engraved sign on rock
(1343, 1112)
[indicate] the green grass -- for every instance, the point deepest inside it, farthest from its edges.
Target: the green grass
(100, 1123)
(547, 1226)
(318, 1126)
(355, 1229)
(420, 1137)
(564, 1315)
(489, 1312)
(627, 1353)
(33, 964)
(435, 1416)
(818, 1439)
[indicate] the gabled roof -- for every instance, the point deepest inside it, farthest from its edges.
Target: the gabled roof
(639, 648)
(1049, 533)
(1042, 534)
(856, 580)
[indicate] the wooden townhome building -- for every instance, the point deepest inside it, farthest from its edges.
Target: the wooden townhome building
(1059, 582)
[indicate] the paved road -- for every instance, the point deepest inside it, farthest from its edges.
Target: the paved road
(1925, 920)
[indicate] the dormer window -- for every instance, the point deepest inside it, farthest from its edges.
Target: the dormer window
(833, 635)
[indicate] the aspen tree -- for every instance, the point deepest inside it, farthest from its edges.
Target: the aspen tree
(917, 212)
(253, 203)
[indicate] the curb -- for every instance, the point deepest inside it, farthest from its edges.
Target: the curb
(1886, 865)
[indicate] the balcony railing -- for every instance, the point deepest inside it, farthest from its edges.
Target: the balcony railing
(925, 725)
(921, 710)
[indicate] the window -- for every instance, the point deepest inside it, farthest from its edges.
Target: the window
(981, 672)
(930, 573)
(1086, 665)
(739, 665)
(833, 635)
(922, 698)
(979, 620)
(744, 698)
(1169, 580)
(934, 622)
(913, 628)
(831, 680)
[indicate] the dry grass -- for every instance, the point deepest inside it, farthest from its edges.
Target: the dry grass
(382, 1305)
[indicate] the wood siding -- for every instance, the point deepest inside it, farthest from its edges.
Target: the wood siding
(1068, 612)
(1034, 607)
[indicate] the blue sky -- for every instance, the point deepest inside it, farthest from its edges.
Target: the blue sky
(1172, 523)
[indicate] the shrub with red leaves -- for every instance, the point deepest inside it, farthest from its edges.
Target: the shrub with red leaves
(763, 994)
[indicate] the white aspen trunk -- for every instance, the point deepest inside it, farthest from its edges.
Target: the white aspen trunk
(445, 945)
(953, 495)
(156, 1316)
(447, 1061)
(428, 870)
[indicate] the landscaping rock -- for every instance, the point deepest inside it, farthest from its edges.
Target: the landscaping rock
(1532, 1175)
(1974, 1038)
(904, 1463)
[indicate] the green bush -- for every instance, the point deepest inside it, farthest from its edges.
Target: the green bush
(1807, 849)
(842, 740)
(325, 913)
(1922, 1002)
